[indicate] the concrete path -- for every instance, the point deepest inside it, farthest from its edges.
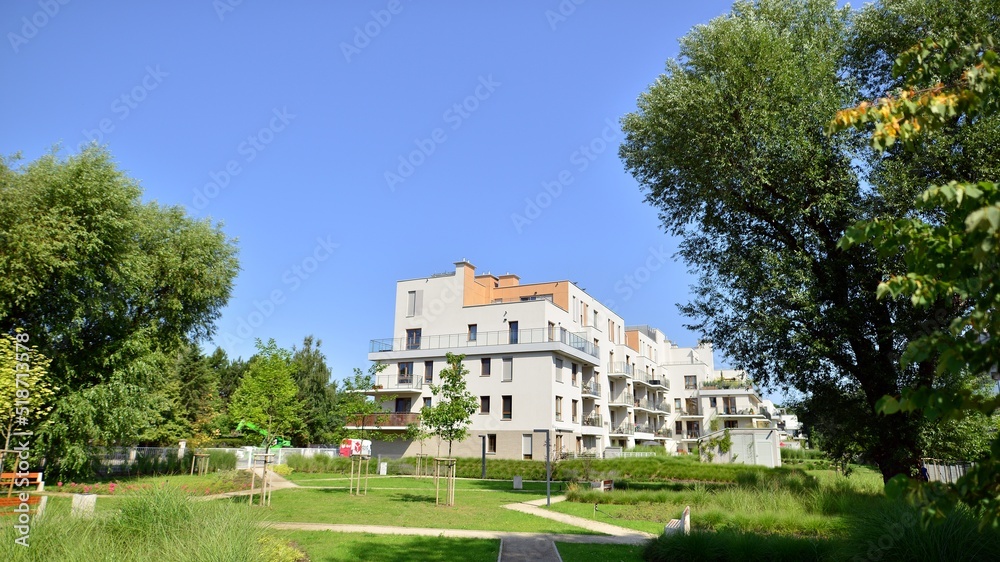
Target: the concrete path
(514, 547)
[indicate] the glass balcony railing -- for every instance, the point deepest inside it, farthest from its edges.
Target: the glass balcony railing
(593, 420)
(591, 389)
(482, 339)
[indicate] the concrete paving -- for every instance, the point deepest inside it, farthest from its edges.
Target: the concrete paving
(514, 547)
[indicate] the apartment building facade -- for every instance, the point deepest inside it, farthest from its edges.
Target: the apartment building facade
(548, 356)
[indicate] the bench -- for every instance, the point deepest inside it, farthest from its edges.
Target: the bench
(35, 505)
(682, 525)
(10, 480)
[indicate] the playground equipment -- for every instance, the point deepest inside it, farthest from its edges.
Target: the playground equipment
(276, 442)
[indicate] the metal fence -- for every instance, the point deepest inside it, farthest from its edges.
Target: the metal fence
(940, 471)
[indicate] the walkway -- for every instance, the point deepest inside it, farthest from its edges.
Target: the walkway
(514, 547)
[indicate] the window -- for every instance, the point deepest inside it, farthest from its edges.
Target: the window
(711, 402)
(559, 370)
(473, 329)
(678, 428)
(732, 424)
(595, 318)
(677, 404)
(574, 368)
(428, 372)
(611, 330)
(404, 405)
(552, 332)
(513, 332)
(484, 404)
(413, 299)
(405, 373)
(508, 369)
(427, 401)
(506, 406)
(558, 408)
(690, 382)
(573, 411)
(485, 370)
(559, 443)
(491, 443)
(413, 338)
(575, 308)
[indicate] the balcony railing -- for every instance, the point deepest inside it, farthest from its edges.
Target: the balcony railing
(620, 368)
(691, 412)
(398, 382)
(593, 420)
(484, 339)
(651, 380)
(692, 435)
(624, 428)
(743, 412)
(719, 384)
(592, 389)
(664, 432)
(625, 398)
(644, 428)
(386, 419)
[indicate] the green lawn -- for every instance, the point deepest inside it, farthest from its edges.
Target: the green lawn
(411, 507)
(325, 546)
(572, 552)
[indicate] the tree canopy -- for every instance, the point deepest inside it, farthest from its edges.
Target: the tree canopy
(450, 417)
(729, 146)
(267, 395)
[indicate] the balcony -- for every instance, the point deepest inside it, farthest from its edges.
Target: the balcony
(622, 399)
(693, 413)
(732, 412)
(397, 384)
(651, 381)
(647, 404)
(644, 428)
(619, 369)
(593, 420)
(664, 431)
(623, 428)
(485, 339)
(591, 389)
(385, 420)
(691, 436)
(727, 384)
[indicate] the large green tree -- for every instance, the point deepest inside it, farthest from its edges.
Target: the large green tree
(106, 285)
(267, 395)
(729, 146)
(317, 392)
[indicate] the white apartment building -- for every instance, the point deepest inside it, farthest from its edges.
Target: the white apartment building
(549, 356)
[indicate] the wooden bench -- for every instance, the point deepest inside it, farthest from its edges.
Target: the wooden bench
(682, 525)
(36, 505)
(10, 480)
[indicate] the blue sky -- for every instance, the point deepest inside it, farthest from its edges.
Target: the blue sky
(348, 145)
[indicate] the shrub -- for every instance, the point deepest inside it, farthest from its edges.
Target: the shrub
(282, 469)
(221, 460)
(736, 545)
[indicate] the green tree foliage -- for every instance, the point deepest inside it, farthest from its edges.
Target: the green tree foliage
(356, 413)
(316, 392)
(106, 286)
(25, 392)
(449, 418)
(729, 146)
(267, 395)
(952, 253)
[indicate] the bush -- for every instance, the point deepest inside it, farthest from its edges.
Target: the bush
(221, 460)
(282, 469)
(788, 454)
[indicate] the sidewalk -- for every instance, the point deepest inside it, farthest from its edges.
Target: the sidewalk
(514, 547)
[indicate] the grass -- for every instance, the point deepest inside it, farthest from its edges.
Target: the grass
(324, 546)
(475, 508)
(573, 552)
(153, 524)
(776, 502)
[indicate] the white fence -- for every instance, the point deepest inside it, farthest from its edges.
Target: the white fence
(940, 471)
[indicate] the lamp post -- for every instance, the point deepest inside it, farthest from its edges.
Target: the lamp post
(483, 437)
(548, 468)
